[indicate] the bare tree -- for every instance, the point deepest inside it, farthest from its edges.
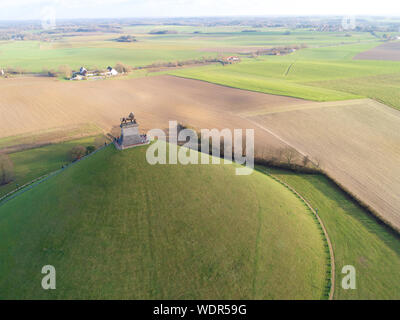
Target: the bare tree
(279, 155)
(77, 152)
(65, 71)
(306, 161)
(99, 141)
(115, 132)
(122, 68)
(289, 155)
(6, 169)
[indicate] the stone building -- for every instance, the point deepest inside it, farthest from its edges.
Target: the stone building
(130, 135)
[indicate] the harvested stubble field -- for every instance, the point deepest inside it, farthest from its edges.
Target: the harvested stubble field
(357, 143)
(34, 104)
(387, 51)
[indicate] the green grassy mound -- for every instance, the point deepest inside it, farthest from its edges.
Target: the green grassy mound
(114, 226)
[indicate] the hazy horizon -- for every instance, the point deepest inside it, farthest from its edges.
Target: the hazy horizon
(12, 10)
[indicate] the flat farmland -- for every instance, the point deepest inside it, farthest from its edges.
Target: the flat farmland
(91, 52)
(99, 50)
(384, 88)
(356, 142)
(36, 104)
(317, 74)
(387, 51)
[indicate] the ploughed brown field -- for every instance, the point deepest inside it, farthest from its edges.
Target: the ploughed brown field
(357, 143)
(387, 51)
(35, 104)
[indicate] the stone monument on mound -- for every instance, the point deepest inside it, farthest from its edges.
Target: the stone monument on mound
(130, 136)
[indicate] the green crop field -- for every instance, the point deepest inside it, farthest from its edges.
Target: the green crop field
(383, 88)
(32, 56)
(234, 37)
(319, 74)
(34, 163)
(116, 227)
(241, 76)
(358, 239)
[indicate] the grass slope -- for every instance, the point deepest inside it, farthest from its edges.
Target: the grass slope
(358, 239)
(116, 227)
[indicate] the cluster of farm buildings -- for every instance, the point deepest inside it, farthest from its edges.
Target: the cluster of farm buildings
(84, 74)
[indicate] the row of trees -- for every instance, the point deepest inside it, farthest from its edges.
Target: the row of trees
(283, 157)
(174, 64)
(126, 38)
(79, 151)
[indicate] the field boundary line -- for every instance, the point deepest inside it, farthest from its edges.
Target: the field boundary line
(288, 69)
(274, 135)
(301, 106)
(23, 186)
(321, 223)
(237, 88)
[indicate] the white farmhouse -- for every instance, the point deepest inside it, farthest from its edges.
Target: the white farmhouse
(83, 71)
(111, 71)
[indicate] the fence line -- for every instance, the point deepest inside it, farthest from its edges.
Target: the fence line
(28, 186)
(331, 254)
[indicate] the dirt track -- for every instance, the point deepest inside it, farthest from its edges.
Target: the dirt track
(387, 51)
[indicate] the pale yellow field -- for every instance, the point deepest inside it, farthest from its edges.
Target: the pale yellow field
(357, 143)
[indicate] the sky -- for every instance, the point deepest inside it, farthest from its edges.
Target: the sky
(63, 9)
